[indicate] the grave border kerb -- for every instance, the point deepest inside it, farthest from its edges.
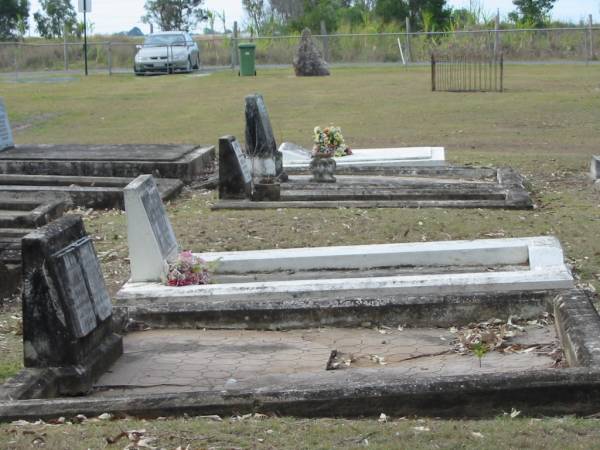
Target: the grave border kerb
(363, 392)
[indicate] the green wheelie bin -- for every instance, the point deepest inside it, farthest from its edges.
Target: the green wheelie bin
(247, 60)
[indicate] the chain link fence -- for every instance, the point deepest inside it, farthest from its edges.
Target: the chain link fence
(530, 45)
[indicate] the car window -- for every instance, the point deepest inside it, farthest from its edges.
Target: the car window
(165, 39)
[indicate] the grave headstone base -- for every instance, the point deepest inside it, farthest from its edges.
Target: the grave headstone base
(67, 322)
(266, 192)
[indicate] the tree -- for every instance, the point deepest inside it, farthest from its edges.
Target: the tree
(423, 14)
(256, 12)
(317, 11)
(55, 17)
(392, 10)
(533, 12)
(13, 18)
(287, 10)
(173, 15)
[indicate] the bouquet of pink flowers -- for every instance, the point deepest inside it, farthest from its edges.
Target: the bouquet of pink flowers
(188, 270)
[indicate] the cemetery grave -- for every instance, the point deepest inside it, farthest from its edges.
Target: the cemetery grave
(356, 352)
(296, 159)
(265, 177)
(94, 175)
(85, 192)
(364, 353)
(20, 213)
(184, 162)
(595, 168)
(333, 331)
(68, 338)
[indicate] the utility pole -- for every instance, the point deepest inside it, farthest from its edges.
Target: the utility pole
(85, 47)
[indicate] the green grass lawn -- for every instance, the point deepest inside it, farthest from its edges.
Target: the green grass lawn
(546, 125)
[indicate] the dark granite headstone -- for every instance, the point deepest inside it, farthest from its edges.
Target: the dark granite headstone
(67, 312)
(6, 138)
(260, 140)
(235, 174)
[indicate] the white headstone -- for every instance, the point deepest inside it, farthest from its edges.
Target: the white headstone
(150, 235)
(595, 169)
(6, 138)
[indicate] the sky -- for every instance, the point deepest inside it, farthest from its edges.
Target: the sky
(109, 16)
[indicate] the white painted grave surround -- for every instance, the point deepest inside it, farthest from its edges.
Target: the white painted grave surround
(542, 258)
(595, 168)
(150, 235)
(297, 157)
(6, 137)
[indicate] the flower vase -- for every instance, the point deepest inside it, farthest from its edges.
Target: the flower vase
(323, 168)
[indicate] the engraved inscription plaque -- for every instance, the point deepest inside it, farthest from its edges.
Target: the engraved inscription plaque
(6, 138)
(72, 283)
(95, 280)
(161, 227)
(243, 163)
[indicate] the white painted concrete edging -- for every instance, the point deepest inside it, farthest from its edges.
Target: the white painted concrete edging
(543, 256)
(372, 157)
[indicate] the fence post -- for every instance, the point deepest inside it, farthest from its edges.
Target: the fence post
(17, 60)
(109, 58)
(408, 50)
(497, 34)
(325, 38)
(591, 34)
(501, 72)
(234, 46)
(432, 72)
(65, 54)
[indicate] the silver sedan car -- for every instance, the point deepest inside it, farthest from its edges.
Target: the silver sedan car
(167, 52)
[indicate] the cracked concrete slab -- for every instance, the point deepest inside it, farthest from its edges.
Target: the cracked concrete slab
(162, 361)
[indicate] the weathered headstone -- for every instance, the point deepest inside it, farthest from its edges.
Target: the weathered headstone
(595, 168)
(308, 61)
(267, 161)
(67, 311)
(235, 172)
(150, 235)
(6, 138)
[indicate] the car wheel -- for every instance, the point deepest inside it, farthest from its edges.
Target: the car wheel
(136, 72)
(189, 67)
(197, 66)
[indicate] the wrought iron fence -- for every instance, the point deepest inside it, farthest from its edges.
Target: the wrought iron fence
(564, 44)
(467, 72)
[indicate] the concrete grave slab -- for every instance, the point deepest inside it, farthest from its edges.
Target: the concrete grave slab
(296, 158)
(301, 282)
(30, 210)
(19, 214)
(67, 313)
(184, 162)
(85, 192)
(408, 371)
(312, 286)
(6, 138)
(399, 187)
